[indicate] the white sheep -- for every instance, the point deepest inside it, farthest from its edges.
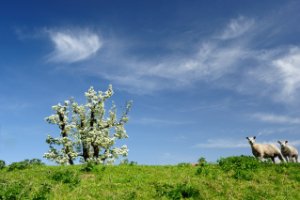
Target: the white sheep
(289, 152)
(262, 151)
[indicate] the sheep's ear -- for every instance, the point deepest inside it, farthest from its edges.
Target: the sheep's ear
(247, 138)
(254, 137)
(286, 141)
(279, 142)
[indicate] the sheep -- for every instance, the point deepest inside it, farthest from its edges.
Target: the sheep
(289, 152)
(262, 151)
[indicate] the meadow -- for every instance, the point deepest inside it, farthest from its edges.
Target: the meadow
(241, 177)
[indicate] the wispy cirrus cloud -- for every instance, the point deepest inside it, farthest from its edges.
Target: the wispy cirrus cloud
(232, 60)
(232, 64)
(209, 62)
(285, 130)
(276, 119)
(288, 67)
(237, 27)
(73, 45)
(276, 71)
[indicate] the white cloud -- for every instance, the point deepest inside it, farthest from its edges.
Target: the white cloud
(209, 62)
(73, 46)
(237, 27)
(288, 67)
(288, 130)
(276, 119)
(223, 144)
(272, 73)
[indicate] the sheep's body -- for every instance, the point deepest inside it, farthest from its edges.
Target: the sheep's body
(266, 151)
(289, 152)
(262, 151)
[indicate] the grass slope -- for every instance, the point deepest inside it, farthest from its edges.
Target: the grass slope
(232, 178)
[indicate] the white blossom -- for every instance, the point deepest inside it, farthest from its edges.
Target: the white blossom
(87, 131)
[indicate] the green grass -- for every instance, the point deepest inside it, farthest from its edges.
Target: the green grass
(232, 178)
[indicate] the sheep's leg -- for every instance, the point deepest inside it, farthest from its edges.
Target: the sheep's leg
(293, 159)
(273, 159)
(281, 158)
(286, 158)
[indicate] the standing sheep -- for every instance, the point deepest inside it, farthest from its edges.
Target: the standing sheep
(262, 151)
(289, 152)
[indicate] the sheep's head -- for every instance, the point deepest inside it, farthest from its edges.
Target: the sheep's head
(283, 143)
(251, 140)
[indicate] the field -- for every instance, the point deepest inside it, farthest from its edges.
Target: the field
(231, 178)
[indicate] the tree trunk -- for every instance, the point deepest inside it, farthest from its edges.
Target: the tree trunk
(96, 151)
(85, 152)
(64, 134)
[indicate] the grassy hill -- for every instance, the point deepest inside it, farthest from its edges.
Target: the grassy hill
(231, 178)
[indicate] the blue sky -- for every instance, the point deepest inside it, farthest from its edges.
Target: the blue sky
(202, 75)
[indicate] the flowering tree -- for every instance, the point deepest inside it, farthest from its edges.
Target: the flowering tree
(87, 131)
